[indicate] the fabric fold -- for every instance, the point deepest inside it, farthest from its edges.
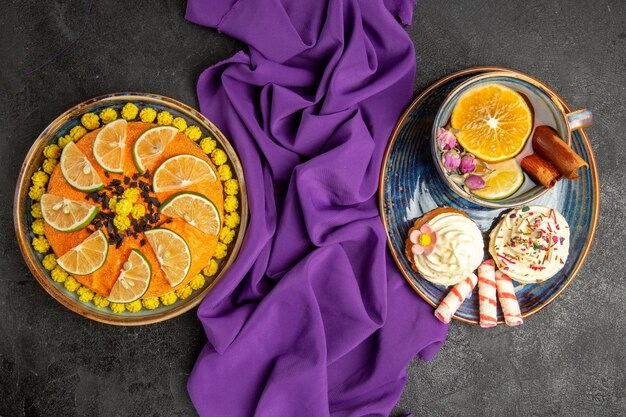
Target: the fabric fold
(313, 318)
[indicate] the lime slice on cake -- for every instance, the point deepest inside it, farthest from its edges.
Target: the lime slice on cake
(172, 253)
(108, 147)
(195, 209)
(507, 177)
(88, 256)
(181, 171)
(66, 215)
(78, 171)
(134, 279)
(151, 144)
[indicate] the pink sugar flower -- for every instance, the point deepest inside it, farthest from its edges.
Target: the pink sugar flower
(424, 240)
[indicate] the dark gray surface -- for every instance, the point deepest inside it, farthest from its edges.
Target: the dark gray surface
(568, 360)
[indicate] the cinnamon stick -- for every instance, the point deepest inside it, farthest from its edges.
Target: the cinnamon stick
(541, 170)
(548, 145)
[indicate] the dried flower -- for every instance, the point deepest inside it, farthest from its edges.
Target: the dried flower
(147, 115)
(129, 111)
(445, 139)
(164, 118)
(474, 182)
(451, 160)
(467, 164)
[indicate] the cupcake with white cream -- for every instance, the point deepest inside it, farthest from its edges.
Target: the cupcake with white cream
(445, 246)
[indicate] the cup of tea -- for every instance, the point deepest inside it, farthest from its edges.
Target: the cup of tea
(501, 139)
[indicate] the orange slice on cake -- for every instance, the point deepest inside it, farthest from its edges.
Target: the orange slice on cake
(181, 171)
(78, 171)
(151, 144)
(195, 209)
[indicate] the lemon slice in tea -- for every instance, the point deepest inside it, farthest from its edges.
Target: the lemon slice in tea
(87, 257)
(78, 171)
(108, 147)
(493, 122)
(172, 253)
(66, 215)
(181, 171)
(134, 279)
(195, 209)
(151, 144)
(507, 177)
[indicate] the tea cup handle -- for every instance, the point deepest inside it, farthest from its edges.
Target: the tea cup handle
(579, 119)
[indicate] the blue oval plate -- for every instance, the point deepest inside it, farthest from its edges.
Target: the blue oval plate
(410, 186)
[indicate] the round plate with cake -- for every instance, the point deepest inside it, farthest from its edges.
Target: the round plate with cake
(489, 194)
(130, 207)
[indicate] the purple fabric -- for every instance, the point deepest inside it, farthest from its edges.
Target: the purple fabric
(313, 318)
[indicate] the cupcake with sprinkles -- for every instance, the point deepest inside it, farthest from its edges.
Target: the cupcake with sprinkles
(530, 244)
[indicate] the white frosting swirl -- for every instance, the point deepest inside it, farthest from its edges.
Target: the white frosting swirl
(458, 252)
(530, 244)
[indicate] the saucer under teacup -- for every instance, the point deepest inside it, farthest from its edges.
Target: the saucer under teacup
(411, 187)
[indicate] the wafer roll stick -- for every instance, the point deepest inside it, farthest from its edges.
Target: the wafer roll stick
(487, 294)
(455, 298)
(548, 144)
(508, 300)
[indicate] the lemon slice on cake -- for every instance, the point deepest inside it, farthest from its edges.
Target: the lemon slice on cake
(78, 171)
(66, 215)
(172, 253)
(134, 279)
(195, 209)
(493, 122)
(108, 147)
(504, 180)
(181, 171)
(151, 144)
(87, 257)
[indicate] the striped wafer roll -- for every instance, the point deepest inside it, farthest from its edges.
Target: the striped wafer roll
(508, 300)
(487, 294)
(455, 298)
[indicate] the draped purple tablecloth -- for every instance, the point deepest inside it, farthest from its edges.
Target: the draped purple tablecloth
(313, 318)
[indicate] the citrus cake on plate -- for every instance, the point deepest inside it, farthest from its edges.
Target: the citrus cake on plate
(133, 208)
